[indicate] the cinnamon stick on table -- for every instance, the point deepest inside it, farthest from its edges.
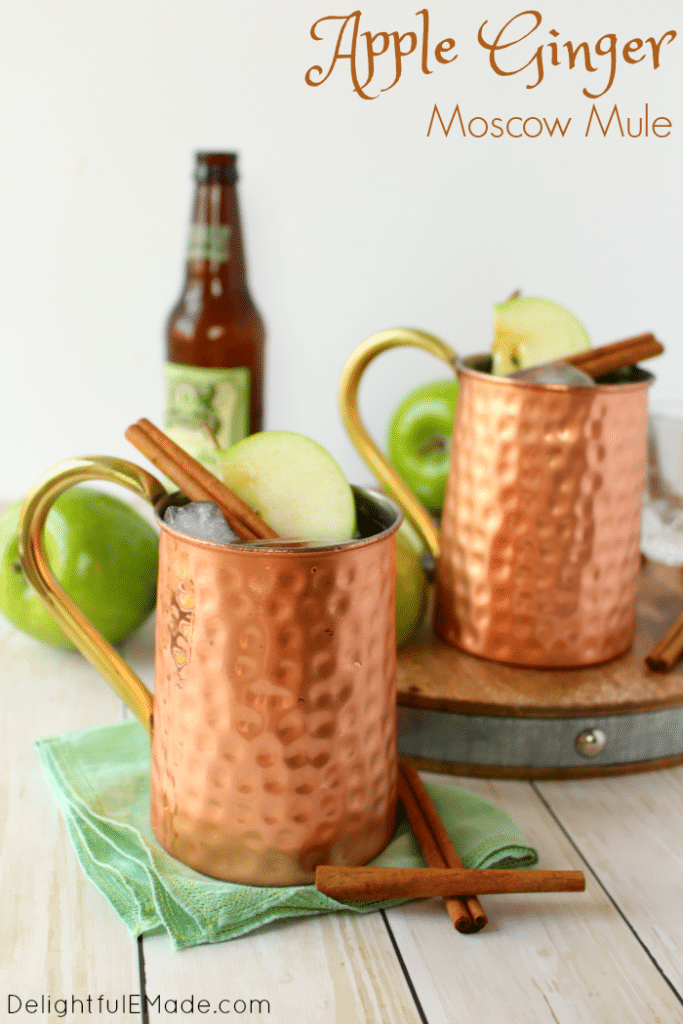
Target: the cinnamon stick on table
(666, 653)
(196, 481)
(378, 883)
(466, 912)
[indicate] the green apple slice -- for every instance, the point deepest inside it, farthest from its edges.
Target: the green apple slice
(293, 483)
(528, 331)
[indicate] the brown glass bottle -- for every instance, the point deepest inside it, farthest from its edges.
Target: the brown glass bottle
(215, 336)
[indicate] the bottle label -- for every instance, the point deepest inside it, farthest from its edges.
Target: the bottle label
(206, 407)
(209, 242)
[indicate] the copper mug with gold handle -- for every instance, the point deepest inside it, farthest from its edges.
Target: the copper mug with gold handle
(273, 718)
(538, 554)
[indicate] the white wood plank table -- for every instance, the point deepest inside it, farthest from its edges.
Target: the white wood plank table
(612, 955)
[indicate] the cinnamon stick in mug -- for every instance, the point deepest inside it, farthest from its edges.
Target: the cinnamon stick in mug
(597, 362)
(196, 481)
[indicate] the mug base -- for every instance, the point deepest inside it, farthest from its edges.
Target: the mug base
(231, 859)
(527, 656)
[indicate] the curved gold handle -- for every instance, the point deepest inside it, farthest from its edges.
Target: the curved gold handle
(68, 615)
(393, 484)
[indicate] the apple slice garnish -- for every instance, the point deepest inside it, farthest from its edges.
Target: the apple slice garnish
(528, 331)
(293, 483)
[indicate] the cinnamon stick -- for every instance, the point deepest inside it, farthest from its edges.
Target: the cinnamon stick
(606, 358)
(666, 653)
(455, 905)
(196, 481)
(379, 883)
(466, 912)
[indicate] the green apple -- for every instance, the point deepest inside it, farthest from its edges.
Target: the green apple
(411, 584)
(102, 552)
(293, 483)
(419, 439)
(528, 331)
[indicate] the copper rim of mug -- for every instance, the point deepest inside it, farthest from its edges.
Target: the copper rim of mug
(284, 545)
(479, 366)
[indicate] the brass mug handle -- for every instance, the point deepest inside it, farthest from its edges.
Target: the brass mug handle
(376, 462)
(68, 615)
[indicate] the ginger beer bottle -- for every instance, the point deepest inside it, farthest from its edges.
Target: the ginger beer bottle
(215, 336)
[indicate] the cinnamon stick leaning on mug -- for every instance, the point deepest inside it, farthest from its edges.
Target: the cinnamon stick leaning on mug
(666, 653)
(466, 912)
(196, 481)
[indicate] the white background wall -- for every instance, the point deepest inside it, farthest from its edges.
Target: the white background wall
(354, 219)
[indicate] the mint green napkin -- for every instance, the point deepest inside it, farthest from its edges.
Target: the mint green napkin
(100, 778)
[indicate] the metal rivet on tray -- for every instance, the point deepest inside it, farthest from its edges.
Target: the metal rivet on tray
(590, 742)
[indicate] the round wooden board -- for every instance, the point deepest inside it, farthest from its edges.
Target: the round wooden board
(528, 774)
(461, 714)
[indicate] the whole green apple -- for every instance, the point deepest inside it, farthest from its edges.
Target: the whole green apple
(419, 439)
(103, 553)
(411, 584)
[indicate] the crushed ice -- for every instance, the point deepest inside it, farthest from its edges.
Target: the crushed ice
(202, 520)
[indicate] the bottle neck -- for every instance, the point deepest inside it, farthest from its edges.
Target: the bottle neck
(215, 243)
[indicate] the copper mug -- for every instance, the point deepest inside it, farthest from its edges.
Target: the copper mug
(273, 719)
(538, 557)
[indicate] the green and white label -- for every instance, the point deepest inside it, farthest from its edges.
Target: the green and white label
(209, 242)
(203, 403)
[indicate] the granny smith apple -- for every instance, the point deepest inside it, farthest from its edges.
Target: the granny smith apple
(411, 584)
(293, 483)
(102, 552)
(419, 439)
(528, 331)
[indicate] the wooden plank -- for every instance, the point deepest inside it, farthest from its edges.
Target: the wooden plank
(59, 936)
(569, 958)
(629, 831)
(483, 771)
(319, 970)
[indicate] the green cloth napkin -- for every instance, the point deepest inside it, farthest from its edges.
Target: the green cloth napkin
(100, 778)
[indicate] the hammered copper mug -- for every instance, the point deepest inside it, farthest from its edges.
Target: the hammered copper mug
(273, 719)
(538, 557)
